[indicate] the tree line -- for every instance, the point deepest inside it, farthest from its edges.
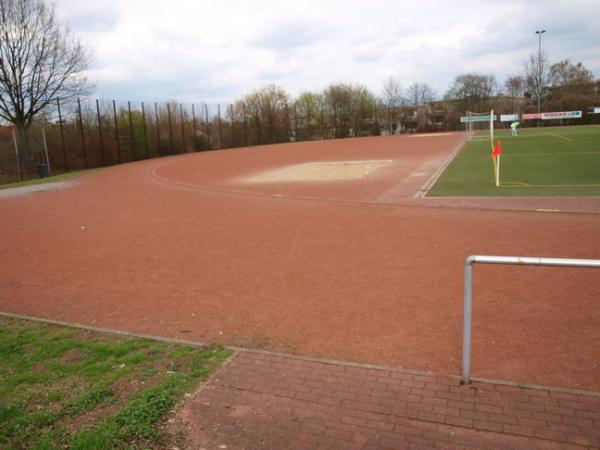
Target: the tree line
(557, 86)
(41, 65)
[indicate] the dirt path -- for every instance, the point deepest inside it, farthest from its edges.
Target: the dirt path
(161, 247)
(33, 189)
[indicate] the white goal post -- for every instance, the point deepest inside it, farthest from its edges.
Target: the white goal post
(478, 124)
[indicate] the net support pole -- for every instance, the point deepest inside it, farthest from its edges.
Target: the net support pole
(46, 150)
(17, 155)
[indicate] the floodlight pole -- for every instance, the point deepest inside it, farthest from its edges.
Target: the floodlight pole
(539, 33)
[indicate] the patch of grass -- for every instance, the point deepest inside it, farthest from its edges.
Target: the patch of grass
(53, 396)
(53, 179)
(89, 400)
(561, 161)
(67, 388)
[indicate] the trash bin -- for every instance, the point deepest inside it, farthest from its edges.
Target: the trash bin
(43, 171)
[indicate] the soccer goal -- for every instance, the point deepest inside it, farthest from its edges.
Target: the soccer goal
(479, 125)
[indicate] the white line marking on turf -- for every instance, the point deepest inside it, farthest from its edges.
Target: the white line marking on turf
(559, 136)
(425, 188)
(547, 210)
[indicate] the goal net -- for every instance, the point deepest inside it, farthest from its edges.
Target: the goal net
(480, 126)
(479, 123)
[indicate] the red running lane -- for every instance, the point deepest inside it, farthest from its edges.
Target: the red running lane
(365, 282)
(415, 160)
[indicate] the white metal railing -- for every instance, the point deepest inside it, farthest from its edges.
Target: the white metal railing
(513, 260)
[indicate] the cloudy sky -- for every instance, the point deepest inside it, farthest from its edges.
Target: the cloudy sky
(216, 51)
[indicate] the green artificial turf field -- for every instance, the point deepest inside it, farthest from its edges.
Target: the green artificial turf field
(560, 161)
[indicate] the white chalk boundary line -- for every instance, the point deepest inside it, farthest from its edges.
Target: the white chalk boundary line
(431, 181)
(336, 362)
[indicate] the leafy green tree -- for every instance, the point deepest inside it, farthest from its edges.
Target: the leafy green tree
(267, 114)
(338, 108)
(309, 109)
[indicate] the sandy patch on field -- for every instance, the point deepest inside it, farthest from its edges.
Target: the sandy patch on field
(320, 171)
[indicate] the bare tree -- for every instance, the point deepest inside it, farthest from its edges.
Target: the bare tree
(419, 93)
(537, 76)
(572, 86)
(474, 89)
(391, 93)
(565, 73)
(514, 85)
(391, 97)
(39, 61)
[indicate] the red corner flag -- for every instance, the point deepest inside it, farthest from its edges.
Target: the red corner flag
(498, 150)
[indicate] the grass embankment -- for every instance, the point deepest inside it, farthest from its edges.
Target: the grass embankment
(69, 388)
(561, 161)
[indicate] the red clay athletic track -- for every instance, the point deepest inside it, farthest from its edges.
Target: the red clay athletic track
(350, 270)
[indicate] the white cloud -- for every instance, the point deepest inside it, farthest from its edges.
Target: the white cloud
(217, 51)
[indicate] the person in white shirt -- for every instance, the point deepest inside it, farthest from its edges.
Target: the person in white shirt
(513, 128)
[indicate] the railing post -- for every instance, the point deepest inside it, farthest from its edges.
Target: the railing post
(505, 260)
(467, 322)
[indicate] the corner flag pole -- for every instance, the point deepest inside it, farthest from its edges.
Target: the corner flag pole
(498, 172)
(492, 129)
(496, 152)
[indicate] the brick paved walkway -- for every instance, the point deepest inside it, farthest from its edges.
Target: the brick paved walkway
(264, 401)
